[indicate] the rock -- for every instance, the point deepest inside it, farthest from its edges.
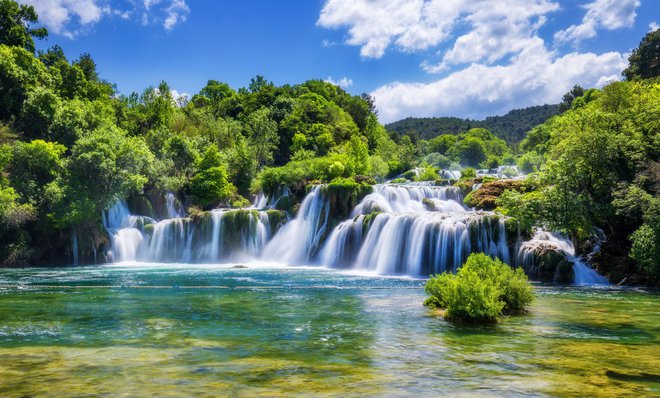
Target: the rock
(239, 266)
(484, 197)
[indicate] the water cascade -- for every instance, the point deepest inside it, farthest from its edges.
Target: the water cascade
(218, 235)
(529, 252)
(413, 230)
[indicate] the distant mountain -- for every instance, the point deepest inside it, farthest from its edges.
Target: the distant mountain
(511, 127)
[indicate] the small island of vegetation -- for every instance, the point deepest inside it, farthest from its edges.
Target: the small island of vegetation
(481, 291)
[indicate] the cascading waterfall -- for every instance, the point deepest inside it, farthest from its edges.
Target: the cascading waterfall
(299, 239)
(413, 230)
(221, 235)
(173, 206)
(124, 235)
(583, 273)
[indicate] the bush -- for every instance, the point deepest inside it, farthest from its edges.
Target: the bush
(428, 173)
(469, 173)
(482, 290)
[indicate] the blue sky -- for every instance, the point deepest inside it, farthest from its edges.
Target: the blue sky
(467, 58)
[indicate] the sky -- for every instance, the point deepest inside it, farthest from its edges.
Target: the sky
(420, 58)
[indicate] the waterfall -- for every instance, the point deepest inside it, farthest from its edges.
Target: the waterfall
(125, 237)
(299, 239)
(74, 247)
(583, 273)
(413, 229)
(220, 235)
(173, 206)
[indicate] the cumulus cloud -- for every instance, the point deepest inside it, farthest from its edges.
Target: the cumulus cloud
(601, 14)
(489, 51)
(536, 76)
(653, 26)
(415, 25)
(71, 17)
(344, 82)
(59, 15)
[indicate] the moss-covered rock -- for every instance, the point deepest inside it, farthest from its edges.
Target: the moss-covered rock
(484, 197)
(547, 264)
(276, 219)
(429, 204)
(343, 194)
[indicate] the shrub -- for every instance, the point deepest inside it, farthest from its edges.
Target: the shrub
(482, 290)
(469, 173)
(428, 173)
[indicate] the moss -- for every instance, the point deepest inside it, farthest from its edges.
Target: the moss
(141, 205)
(238, 201)
(344, 194)
(485, 197)
(148, 229)
(429, 204)
(399, 181)
(368, 221)
(276, 219)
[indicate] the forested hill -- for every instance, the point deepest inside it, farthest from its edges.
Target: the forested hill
(511, 127)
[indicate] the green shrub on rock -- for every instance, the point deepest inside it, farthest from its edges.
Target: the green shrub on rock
(482, 290)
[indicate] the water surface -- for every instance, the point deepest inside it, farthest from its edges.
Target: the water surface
(180, 330)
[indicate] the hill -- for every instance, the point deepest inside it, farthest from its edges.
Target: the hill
(510, 127)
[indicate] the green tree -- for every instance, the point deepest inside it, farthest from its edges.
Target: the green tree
(20, 72)
(16, 25)
(34, 165)
(210, 185)
(568, 98)
(471, 151)
(644, 61)
(107, 165)
(261, 131)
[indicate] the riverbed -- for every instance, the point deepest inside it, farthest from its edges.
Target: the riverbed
(171, 330)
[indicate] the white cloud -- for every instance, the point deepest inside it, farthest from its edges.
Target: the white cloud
(177, 12)
(536, 76)
(601, 14)
(490, 51)
(71, 17)
(344, 82)
(328, 43)
(415, 25)
(653, 26)
(57, 15)
(179, 98)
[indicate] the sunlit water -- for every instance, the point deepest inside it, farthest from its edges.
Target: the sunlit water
(177, 330)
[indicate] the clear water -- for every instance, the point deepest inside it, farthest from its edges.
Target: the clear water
(181, 330)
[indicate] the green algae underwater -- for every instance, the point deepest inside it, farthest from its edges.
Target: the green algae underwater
(192, 330)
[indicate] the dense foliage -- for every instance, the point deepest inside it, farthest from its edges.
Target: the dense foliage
(510, 127)
(482, 290)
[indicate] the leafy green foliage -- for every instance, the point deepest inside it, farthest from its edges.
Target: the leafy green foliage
(16, 25)
(482, 290)
(210, 185)
(644, 61)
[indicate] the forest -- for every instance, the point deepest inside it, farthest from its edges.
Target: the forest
(72, 145)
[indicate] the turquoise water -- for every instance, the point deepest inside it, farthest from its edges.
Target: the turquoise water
(180, 330)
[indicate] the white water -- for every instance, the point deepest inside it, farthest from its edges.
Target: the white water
(179, 239)
(410, 229)
(584, 275)
(298, 240)
(414, 230)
